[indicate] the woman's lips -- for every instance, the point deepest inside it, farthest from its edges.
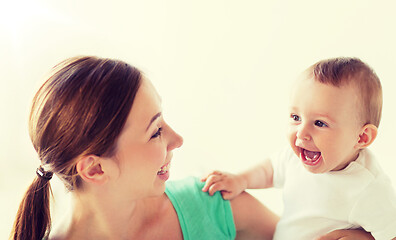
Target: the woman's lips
(311, 158)
(163, 176)
(163, 173)
(164, 169)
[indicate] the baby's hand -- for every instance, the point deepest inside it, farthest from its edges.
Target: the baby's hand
(230, 185)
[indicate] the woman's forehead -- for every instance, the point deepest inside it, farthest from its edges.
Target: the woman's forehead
(147, 103)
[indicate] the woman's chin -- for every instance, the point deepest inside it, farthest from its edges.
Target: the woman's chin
(159, 185)
(163, 176)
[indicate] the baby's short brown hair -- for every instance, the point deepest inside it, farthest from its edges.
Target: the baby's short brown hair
(343, 71)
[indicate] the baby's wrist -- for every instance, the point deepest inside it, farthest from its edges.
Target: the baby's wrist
(244, 181)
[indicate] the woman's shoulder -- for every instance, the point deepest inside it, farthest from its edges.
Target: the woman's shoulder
(187, 194)
(186, 185)
(197, 210)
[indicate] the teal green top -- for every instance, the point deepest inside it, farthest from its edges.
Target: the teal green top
(200, 216)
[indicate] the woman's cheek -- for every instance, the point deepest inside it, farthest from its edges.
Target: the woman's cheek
(157, 154)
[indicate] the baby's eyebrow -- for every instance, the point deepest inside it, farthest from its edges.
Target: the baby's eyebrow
(153, 119)
(325, 116)
(293, 109)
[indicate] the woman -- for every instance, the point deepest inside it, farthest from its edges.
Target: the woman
(98, 125)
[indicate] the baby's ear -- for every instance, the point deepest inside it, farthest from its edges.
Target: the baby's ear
(90, 170)
(367, 135)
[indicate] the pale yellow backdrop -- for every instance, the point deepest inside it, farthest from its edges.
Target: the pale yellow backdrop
(223, 69)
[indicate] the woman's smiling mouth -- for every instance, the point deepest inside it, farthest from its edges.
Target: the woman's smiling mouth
(164, 169)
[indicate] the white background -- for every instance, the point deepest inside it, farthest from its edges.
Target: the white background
(222, 67)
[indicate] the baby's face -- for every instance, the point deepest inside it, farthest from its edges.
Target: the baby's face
(324, 127)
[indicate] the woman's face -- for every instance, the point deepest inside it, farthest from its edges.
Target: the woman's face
(144, 147)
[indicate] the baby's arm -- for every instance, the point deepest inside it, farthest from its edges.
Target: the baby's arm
(231, 185)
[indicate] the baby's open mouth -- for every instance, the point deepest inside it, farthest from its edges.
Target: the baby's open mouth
(164, 169)
(310, 157)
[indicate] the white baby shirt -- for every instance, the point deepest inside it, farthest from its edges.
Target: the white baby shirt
(361, 195)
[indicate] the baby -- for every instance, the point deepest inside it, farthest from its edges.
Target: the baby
(330, 179)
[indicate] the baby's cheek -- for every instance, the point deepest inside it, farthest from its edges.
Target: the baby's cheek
(292, 139)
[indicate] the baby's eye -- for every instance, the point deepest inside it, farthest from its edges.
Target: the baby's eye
(295, 117)
(320, 123)
(157, 134)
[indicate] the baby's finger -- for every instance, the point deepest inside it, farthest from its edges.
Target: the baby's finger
(215, 187)
(203, 179)
(210, 174)
(209, 182)
(217, 172)
(206, 186)
(212, 179)
(227, 195)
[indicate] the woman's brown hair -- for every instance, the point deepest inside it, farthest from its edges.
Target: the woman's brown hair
(80, 110)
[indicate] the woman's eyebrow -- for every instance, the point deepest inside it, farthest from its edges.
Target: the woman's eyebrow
(153, 119)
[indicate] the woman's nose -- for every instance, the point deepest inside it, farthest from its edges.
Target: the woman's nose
(175, 141)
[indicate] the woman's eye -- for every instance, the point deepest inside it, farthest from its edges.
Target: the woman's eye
(158, 133)
(320, 123)
(295, 117)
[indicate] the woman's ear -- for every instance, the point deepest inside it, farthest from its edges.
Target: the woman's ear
(90, 170)
(367, 135)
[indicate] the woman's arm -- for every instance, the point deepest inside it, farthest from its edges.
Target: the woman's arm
(252, 219)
